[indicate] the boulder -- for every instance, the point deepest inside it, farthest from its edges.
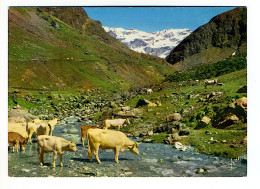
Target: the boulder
(178, 145)
(173, 117)
(228, 121)
(205, 121)
(142, 102)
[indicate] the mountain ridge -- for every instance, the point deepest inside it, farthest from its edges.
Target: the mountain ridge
(222, 36)
(158, 43)
(50, 52)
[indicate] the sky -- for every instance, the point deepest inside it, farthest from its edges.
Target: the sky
(152, 19)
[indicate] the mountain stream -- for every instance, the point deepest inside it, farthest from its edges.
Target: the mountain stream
(154, 160)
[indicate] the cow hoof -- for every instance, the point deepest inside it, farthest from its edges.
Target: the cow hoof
(41, 164)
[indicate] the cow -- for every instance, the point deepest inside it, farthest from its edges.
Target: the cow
(56, 145)
(149, 91)
(17, 139)
(19, 128)
(84, 131)
(52, 124)
(116, 123)
(109, 139)
(39, 127)
(210, 82)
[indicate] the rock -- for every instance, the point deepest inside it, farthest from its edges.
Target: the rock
(205, 121)
(147, 140)
(201, 171)
(228, 121)
(173, 117)
(242, 102)
(185, 131)
(242, 89)
(178, 145)
(150, 133)
(143, 102)
(207, 132)
(17, 107)
(244, 141)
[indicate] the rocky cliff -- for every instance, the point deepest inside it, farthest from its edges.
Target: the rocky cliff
(224, 36)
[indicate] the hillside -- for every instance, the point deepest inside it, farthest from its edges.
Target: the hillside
(158, 43)
(214, 41)
(61, 48)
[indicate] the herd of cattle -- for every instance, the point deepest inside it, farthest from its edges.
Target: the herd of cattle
(20, 132)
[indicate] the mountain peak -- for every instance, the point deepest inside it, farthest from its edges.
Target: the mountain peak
(158, 43)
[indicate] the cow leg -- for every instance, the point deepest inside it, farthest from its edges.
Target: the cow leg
(13, 147)
(54, 158)
(90, 152)
(41, 156)
(17, 145)
(96, 153)
(30, 138)
(82, 140)
(118, 127)
(116, 151)
(61, 160)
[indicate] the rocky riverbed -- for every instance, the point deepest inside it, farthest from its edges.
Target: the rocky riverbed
(154, 160)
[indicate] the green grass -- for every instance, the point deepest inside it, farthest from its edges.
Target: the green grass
(174, 99)
(110, 65)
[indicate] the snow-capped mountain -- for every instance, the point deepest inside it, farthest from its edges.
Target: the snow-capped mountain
(159, 43)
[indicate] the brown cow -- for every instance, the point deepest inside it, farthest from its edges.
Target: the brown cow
(84, 131)
(16, 139)
(56, 145)
(109, 139)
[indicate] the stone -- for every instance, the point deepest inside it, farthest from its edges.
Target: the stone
(201, 171)
(173, 117)
(142, 102)
(205, 121)
(147, 140)
(178, 145)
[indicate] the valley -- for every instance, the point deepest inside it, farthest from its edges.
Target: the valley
(62, 64)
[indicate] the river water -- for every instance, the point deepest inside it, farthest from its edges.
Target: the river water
(154, 160)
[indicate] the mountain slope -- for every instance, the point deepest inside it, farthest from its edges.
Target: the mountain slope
(62, 48)
(214, 41)
(158, 43)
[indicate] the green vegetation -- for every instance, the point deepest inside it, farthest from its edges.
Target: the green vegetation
(54, 55)
(210, 70)
(188, 101)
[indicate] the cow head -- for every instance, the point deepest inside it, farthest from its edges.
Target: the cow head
(23, 143)
(134, 148)
(72, 147)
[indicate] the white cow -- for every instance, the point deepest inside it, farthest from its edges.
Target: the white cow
(56, 145)
(210, 82)
(116, 123)
(149, 91)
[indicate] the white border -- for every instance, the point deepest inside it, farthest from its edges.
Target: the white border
(141, 182)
